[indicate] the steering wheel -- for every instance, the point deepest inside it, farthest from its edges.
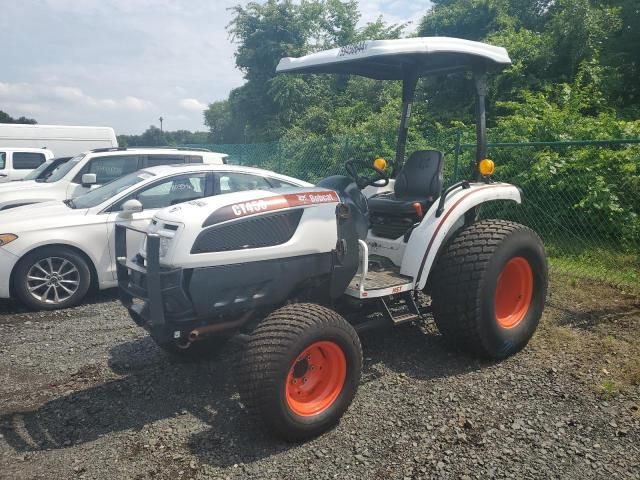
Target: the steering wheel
(380, 180)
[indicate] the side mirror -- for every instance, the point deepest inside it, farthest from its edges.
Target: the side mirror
(130, 207)
(89, 179)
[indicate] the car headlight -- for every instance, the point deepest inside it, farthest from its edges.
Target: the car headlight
(6, 238)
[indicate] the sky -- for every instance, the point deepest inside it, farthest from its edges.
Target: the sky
(125, 63)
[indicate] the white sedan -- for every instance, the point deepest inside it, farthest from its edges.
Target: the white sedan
(51, 253)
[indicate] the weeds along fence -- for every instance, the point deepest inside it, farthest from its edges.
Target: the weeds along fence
(582, 197)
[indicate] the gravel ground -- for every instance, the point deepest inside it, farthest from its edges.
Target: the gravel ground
(85, 394)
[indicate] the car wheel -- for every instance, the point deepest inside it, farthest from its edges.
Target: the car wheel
(51, 278)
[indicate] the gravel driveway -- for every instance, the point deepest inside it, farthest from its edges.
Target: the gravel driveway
(85, 394)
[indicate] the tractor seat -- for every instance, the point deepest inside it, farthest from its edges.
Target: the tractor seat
(419, 181)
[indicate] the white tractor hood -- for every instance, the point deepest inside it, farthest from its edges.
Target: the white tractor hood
(220, 208)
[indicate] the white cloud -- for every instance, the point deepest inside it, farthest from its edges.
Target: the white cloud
(395, 12)
(136, 104)
(28, 109)
(122, 63)
(192, 104)
(51, 97)
(125, 63)
(13, 89)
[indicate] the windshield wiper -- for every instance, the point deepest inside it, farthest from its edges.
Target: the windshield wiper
(69, 203)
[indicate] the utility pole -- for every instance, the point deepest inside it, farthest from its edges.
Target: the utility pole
(161, 119)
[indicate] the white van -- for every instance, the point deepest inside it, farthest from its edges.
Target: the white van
(62, 140)
(16, 163)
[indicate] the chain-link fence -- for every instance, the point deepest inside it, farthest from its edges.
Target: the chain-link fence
(582, 197)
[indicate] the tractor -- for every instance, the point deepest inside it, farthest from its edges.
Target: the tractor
(298, 273)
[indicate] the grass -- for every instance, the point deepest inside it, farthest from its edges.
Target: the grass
(632, 373)
(604, 265)
(608, 389)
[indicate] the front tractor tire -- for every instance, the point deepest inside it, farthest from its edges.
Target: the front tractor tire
(300, 370)
(489, 286)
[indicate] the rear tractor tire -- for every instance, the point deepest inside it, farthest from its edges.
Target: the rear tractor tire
(300, 370)
(489, 286)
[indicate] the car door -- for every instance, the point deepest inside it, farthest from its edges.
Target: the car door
(4, 160)
(106, 168)
(24, 162)
(155, 196)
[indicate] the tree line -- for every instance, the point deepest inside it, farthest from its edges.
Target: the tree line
(153, 136)
(582, 55)
(6, 118)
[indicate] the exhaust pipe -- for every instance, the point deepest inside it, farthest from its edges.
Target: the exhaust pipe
(202, 332)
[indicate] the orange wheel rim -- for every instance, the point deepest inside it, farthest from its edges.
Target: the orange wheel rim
(514, 292)
(316, 378)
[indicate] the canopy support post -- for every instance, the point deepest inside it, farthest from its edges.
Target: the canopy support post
(409, 83)
(480, 80)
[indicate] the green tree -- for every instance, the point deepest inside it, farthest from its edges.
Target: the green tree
(6, 118)
(267, 106)
(218, 118)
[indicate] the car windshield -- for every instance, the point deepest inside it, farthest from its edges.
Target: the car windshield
(65, 168)
(45, 170)
(109, 190)
(36, 173)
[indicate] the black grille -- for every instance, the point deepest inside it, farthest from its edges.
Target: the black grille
(254, 232)
(390, 226)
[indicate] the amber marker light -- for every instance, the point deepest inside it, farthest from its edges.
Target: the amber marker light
(7, 238)
(380, 163)
(486, 167)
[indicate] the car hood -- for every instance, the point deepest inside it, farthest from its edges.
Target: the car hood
(24, 189)
(18, 185)
(41, 216)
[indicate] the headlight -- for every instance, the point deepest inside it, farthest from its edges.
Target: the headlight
(165, 243)
(6, 238)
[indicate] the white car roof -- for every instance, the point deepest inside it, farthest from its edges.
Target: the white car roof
(166, 170)
(152, 150)
(388, 59)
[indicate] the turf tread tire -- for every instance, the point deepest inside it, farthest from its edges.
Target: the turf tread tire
(458, 282)
(268, 353)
